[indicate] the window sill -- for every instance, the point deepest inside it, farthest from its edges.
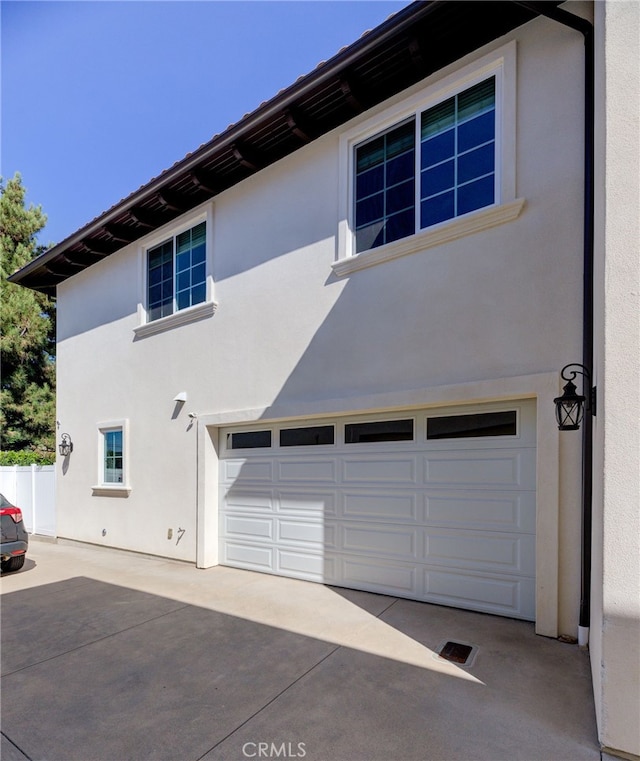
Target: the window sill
(183, 317)
(445, 233)
(111, 490)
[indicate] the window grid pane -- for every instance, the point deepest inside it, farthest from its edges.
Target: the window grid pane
(175, 282)
(160, 280)
(385, 188)
(190, 247)
(113, 457)
(458, 155)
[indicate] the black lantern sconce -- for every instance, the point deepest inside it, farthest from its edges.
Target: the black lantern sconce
(65, 447)
(571, 406)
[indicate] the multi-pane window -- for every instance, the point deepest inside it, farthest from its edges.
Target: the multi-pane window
(113, 468)
(385, 188)
(433, 167)
(176, 273)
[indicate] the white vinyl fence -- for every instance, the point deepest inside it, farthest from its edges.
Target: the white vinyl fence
(32, 488)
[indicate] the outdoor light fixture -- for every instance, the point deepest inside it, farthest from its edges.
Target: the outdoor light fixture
(65, 447)
(570, 407)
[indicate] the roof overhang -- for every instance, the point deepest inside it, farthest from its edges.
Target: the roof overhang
(417, 41)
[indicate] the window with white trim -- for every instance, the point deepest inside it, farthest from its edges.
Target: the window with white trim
(437, 165)
(176, 273)
(113, 456)
(432, 168)
(113, 470)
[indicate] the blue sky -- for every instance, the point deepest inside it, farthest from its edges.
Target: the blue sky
(99, 97)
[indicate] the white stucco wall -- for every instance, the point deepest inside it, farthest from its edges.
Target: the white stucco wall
(502, 303)
(615, 623)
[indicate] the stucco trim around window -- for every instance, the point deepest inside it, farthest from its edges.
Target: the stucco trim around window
(445, 233)
(110, 491)
(202, 310)
(183, 317)
(106, 487)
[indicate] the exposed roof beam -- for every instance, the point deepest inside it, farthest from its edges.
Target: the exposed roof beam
(71, 262)
(95, 248)
(245, 156)
(204, 183)
(171, 201)
(120, 233)
(347, 87)
(415, 51)
(297, 125)
(54, 273)
(144, 219)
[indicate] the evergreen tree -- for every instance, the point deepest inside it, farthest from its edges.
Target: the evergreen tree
(27, 344)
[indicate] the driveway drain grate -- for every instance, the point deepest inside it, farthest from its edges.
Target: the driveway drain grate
(455, 652)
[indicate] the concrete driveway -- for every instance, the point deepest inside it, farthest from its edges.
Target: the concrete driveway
(108, 656)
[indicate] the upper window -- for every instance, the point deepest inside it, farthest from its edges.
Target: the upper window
(436, 165)
(176, 273)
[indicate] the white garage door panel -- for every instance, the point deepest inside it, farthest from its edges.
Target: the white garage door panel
(384, 576)
(503, 596)
(308, 471)
(481, 469)
(254, 501)
(380, 541)
(380, 470)
(498, 511)
(316, 503)
(303, 565)
(449, 521)
(248, 470)
(249, 528)
(246, 556)
(501, 553)
(318, 535)
(377, 506)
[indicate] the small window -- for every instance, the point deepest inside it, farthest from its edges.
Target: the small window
(380, 430)
(249, 440)
(307, 437)
(113, 456)
(176, 273)
(472, 426)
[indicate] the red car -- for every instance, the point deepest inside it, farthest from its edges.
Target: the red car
(15, 540)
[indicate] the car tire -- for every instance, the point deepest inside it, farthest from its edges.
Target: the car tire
(13, 564)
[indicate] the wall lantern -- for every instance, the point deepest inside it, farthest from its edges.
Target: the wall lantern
(65, 447)
(571, 406)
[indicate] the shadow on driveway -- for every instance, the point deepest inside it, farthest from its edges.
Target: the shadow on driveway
(97, 672)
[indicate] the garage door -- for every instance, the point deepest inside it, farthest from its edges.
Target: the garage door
(433, 505)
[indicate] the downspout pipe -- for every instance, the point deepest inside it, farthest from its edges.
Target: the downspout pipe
(586, 29)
